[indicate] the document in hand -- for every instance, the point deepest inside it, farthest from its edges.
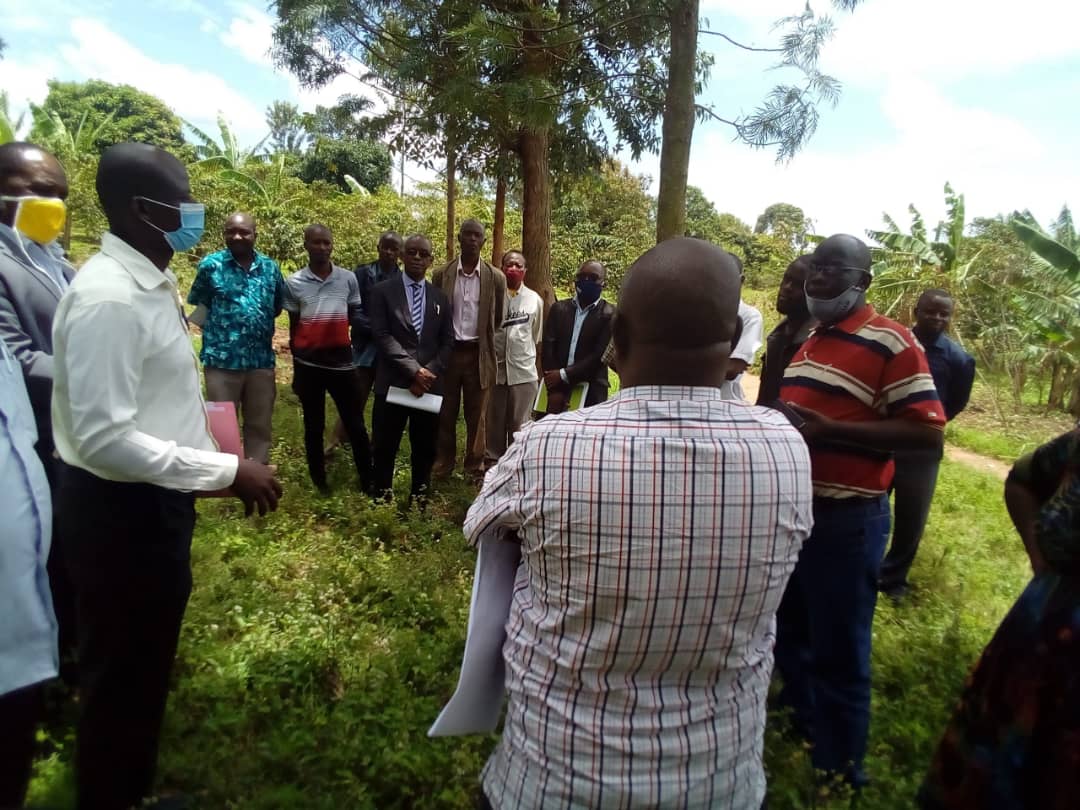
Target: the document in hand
(432, 403)
(575, 401)
(225, 429)
(477, 702)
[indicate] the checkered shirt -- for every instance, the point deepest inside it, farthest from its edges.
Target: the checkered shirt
(658, 531)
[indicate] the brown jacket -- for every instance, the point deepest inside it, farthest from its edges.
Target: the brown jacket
(491, 310)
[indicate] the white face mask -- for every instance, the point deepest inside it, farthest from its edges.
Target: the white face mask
(831, 310)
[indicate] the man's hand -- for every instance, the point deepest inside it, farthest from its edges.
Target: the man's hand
(556, 401)
(422, 382)
(815, 425)
(735, 368)
(256, 486)
(553, 380)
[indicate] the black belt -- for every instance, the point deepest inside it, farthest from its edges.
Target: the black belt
(467, 344)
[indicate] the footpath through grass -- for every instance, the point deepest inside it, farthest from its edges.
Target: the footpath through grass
(320, 643)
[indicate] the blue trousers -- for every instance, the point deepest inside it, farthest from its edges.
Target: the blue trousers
(824, 631)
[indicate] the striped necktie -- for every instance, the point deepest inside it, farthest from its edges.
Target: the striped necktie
(417, 305)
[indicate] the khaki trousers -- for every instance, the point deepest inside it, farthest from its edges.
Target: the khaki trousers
(462, 386)
(253, 391)
(508, 409)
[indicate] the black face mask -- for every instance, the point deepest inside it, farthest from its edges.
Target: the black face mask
(588, 291)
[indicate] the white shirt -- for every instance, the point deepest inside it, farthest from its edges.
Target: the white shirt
(28, 651)
(467, 303)
(515, 343)
(658, 531)
(746, 349)
(127, 405)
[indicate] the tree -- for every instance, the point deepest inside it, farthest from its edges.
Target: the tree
(9, 127)
(368, 162)
(287, 131)
(787, 222)
(552, 79)
(115, 113)
(785, 120)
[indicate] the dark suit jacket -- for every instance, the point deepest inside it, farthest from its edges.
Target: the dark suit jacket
(491, 310)
(400, 353)
(28, 299)
(595, 335)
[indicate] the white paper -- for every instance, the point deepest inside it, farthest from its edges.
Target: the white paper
(432, 403)
(477, 702)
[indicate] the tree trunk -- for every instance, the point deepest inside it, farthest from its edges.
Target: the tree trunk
(500, 221)
(1056, 400)
(678, 129)
(1074, 399)
(536, 213)
(451, 195)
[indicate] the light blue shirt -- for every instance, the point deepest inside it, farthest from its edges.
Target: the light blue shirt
(579, 318)
(408, 282)
(28, 652)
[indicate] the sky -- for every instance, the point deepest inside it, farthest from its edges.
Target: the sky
(978, 93)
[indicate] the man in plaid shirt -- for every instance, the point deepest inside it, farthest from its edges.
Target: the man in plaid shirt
(657, 534)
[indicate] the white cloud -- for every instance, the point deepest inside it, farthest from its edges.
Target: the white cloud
(97, 52)
(996, 162)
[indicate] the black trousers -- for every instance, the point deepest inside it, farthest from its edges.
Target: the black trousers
(128, 551)
(311, 386)
(387, 424)
(20, 712)
(913, 493)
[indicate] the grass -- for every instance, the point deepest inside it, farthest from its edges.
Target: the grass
(321, 641)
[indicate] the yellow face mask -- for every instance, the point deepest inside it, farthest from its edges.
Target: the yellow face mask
(39, 218)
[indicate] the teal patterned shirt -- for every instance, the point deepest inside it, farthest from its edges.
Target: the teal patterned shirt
(242, 305)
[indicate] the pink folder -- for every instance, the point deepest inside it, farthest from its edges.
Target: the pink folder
(225, 429)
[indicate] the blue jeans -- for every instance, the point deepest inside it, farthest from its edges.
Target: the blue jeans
(824, 630)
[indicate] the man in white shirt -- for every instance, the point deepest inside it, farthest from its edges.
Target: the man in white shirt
(742, 356)
(657, 532)
(131, 428)
(516, 347)
(477, 293)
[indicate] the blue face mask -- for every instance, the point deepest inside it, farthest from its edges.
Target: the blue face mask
(192, 225)
(588, 291)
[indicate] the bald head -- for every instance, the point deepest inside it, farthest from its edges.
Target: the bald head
(677, 315)
(27, 170)
(131, 170)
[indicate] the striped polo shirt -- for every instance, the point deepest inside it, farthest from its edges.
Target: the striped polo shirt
(324, 309)
(866, 367)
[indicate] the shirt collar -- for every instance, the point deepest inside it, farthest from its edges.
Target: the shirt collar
(310, 274)
(580, 308)
(670, 392)
(145, 272)
(937, 343)
(256, 259)
(853, 322)
(407, 280)
(473, 274)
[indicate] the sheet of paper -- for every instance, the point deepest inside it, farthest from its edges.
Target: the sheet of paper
(432, 403)
(477, 702)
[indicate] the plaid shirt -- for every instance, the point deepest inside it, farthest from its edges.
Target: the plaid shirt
(658, 531)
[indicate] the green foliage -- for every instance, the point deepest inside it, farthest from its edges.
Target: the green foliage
(787, 222)
(606, 215)
(331, 160)
(321, 641)
(115, 113)
(286, 125)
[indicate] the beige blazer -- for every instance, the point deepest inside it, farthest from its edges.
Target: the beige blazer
(491, 310)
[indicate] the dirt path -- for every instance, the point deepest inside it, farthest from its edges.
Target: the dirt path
(999, 469)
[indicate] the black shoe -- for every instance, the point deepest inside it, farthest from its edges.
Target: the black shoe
(895, 591)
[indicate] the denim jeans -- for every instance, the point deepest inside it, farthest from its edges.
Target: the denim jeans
(824, 631)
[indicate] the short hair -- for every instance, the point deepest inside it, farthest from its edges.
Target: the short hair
(507, 253)
(318, 226)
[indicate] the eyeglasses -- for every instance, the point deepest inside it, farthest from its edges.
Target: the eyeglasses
(835, 269)
(423, 254)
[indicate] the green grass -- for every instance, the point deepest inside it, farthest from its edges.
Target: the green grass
(321, 641)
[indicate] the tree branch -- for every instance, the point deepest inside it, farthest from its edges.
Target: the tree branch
(740, 45)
